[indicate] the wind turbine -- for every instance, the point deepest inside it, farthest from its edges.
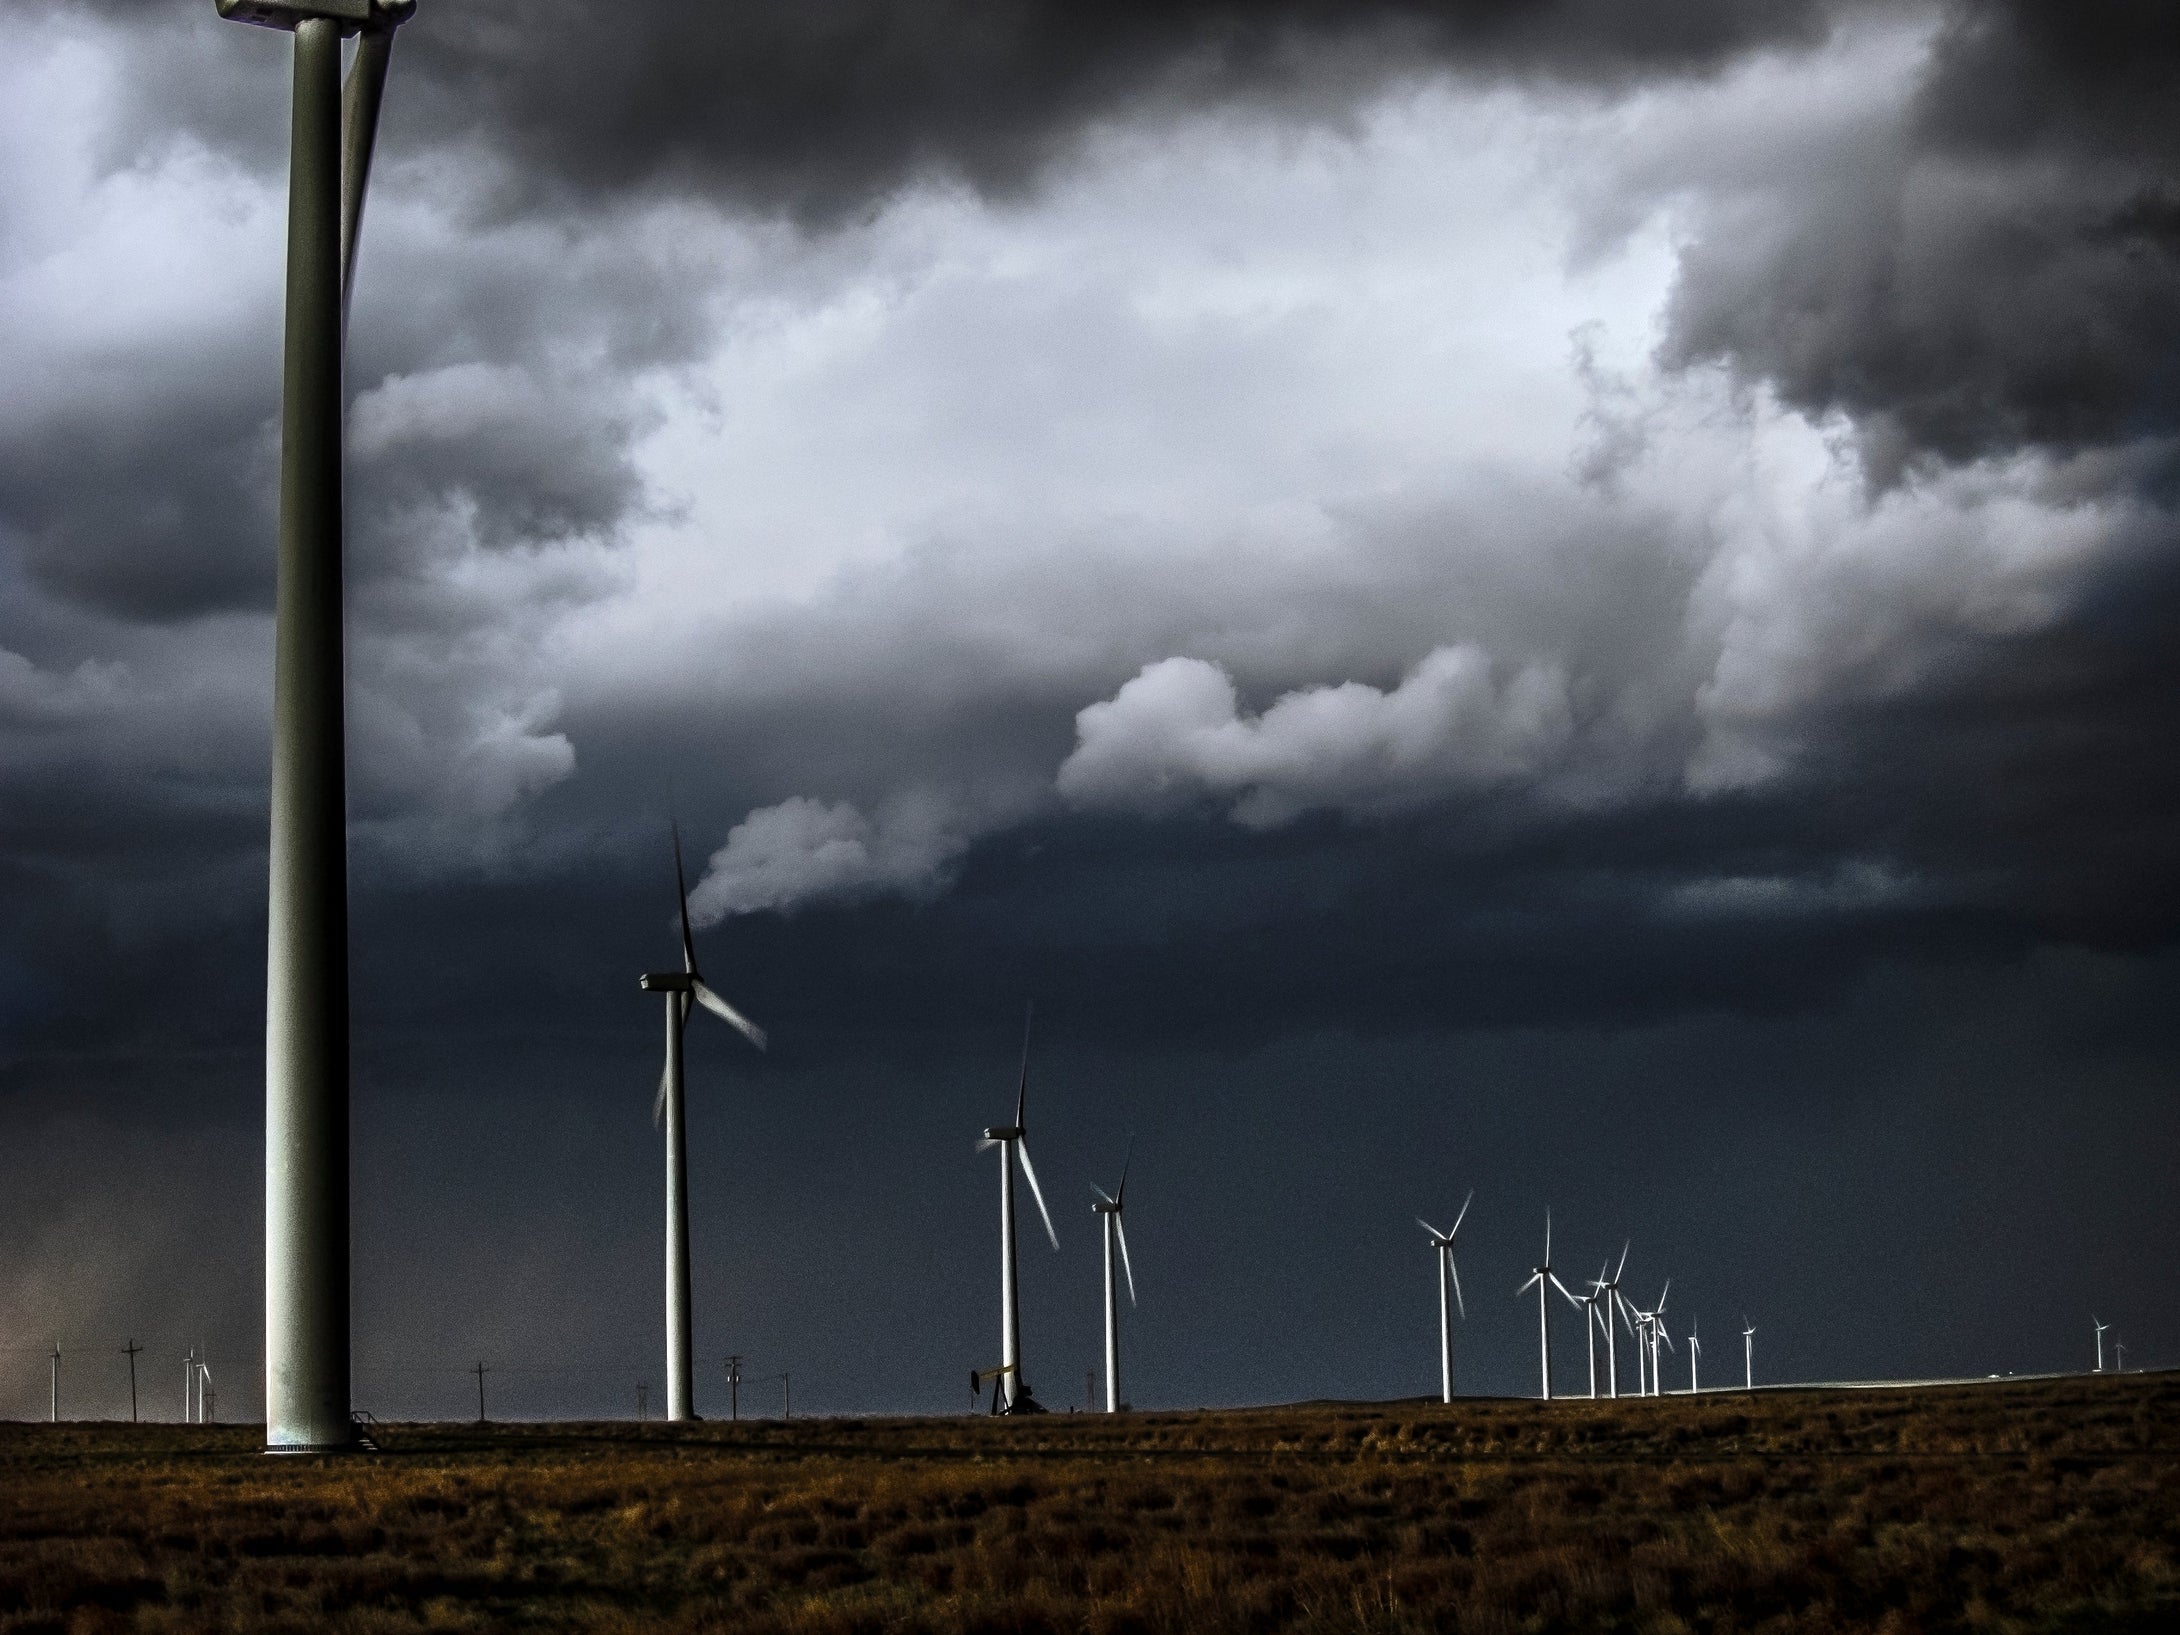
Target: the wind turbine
(2101, 1327)
(1110, 1207)
(1589, 1322)
(682, 988)
(1442, 1248)
(1012, 1141)
(54, 1414)
(1612, 1339)
(1695, 1350)
(1545, 1280)
(1748, 1353)
(1659, 1336)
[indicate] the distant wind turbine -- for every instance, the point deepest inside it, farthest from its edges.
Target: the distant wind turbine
(1658, 1337)
(682, 988)
(1442, 1249)
(1545, 1280)
(1011, 1394)
(1589, 1322)
(1115, 1233)
(54, 1412)
(1614, 1304)
(1748, 1353)
(2101, 1327)
(1695, 1350)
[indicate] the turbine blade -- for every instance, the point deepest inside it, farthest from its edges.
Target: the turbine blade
(658, 1107)
(1102, 1193)
(1617, 1270)
(1037, 1192)
(1562, 1288)
(985, 1143)
(1120, 1193)
(1534, 1278)
(681, 895)
(1547, 1237)
(1120, 1228)
(1662, 1293)
(1460, 1304)
(727, 1013)
(1458, 1219)
(1436, 1235)
(1021, 1090)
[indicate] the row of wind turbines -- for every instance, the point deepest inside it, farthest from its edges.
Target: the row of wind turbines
(1602, 1306)
(684, 990)
(1645, 1327)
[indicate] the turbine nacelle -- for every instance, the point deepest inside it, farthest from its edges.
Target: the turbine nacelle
(1005, 1132)
(666, 982)
(351, 15)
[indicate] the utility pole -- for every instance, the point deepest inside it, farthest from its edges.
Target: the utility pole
(129, 1351)
(787, 1396)
(479, 1371)
(734, 1386)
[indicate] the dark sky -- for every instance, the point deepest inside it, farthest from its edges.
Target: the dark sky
(1547, 597)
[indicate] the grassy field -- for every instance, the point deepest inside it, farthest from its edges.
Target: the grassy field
(2050, 1505)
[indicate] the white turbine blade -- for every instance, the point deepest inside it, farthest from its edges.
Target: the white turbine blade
(1662, 1293)
(1436, 1235)
(1547, 1237)
(985, 1143)
(681, 894)
(1459, 1304)
(1534, 1278)
(1562, 1288)
(1037, 1192)
(1458, 1219)
(1617, 1270)
(1620, 1301)
(728, 1014)
(658, 1107)
(1102, 1193)
(1120, 1229)
(1659, 1330)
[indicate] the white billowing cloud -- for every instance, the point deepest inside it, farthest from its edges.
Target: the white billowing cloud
(803, 850)
(1454, 723)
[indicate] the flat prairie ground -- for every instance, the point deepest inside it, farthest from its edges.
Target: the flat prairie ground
(2045, 1505)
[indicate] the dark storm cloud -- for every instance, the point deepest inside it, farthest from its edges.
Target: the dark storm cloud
(820, 109)
(1992, 268)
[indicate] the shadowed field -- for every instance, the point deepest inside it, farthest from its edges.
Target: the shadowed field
(2051, 1505)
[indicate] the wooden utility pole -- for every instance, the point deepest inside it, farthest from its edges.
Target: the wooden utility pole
(479, 1372)
(129, 1351)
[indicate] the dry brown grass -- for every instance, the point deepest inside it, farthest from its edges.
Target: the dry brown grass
(2016, 1507)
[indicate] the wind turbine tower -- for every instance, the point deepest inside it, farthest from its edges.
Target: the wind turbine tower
(1748, 1353)
(1011, 1394)
(1115, 1233)
(1545, 1280)
(2101, 1327)
(682, 988)
(1695, 1350)
(54, 1412)
(1614, 1304)
(1442, 1248)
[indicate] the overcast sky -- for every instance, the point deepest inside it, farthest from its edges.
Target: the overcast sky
(1546, 597)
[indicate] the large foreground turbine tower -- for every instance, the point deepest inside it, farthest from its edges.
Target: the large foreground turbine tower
(682, 988)
(332, 131)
